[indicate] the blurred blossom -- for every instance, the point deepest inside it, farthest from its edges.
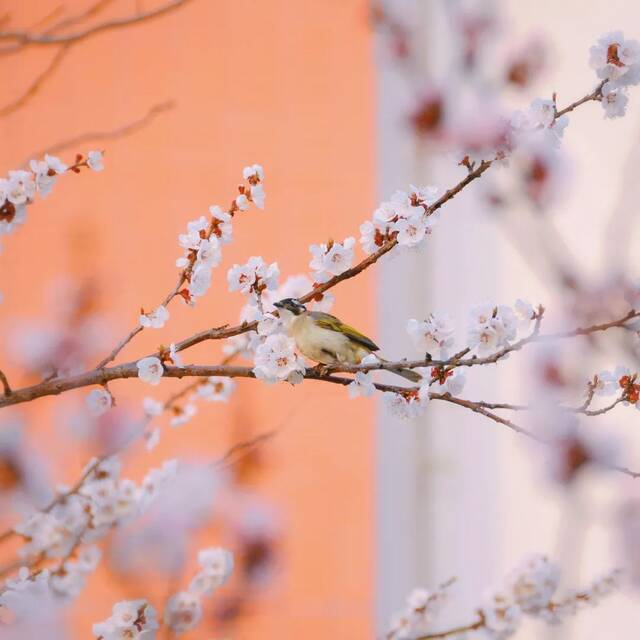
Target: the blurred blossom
(23, 482)
(72, 337)
(525, 64)
(158, 540)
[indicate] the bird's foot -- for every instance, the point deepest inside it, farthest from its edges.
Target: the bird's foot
(321, 370)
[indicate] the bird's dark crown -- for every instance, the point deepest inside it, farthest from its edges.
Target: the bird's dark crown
(291, 304)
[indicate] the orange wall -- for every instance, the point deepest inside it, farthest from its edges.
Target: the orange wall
(288, 85)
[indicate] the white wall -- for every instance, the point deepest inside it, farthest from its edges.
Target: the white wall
(459, 495)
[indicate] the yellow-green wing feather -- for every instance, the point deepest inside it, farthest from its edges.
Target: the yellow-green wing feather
(327, 321)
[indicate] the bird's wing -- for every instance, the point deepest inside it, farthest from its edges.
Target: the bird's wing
(327, 321)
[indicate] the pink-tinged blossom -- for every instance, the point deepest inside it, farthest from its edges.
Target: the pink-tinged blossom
(154, 319)
(150, 370)
(209, 252)
(200, 280)
(331, 259)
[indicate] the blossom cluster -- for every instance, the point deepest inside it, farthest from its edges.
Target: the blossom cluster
(421, 609)
(203, 241)
(75, 519)
(527, 590)
(129, 619)
(19, 188)
(616, 60)
(621, 379)
(211, 389)
(184, 609)
(405, 217)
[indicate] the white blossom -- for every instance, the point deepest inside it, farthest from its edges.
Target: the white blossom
(152, 407)
(253, 172)
(217, 566)
(615, 58)
(183, 415)
(150, 370)
(183, 611)
(95, 160)
(223, 229)
(152, 439)
(258, 195)
(331, 259)
(275, 359)
(253, 276)
(242, 202)
(614, 101)
(407, 406)
(200, 280)
(216, 389)
(491, 327)
(155, 319)
(130, 619)
(533, 583)
(99, 401)
(434, 333)
(362, 385)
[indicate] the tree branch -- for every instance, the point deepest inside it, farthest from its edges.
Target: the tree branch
(26, 38)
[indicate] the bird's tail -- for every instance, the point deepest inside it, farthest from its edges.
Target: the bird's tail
(407, 374)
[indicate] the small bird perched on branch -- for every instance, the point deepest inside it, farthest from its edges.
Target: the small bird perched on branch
(326, 339)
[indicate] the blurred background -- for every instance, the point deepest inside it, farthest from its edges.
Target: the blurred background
(339, 514)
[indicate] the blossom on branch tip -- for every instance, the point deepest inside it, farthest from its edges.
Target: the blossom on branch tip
(253, 173)
(154, 319)
(95, 160)
(150, 370)
(614, 101)
(616, 59)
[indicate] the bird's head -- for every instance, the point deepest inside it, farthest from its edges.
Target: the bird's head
(292, 305)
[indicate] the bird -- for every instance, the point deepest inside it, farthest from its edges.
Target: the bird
(327, 340)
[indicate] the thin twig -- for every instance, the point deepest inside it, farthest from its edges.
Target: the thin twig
(26, 38)
(112, 134)
(6, 387)
(36, 83)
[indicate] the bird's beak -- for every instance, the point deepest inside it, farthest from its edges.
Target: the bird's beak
(278, 305)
